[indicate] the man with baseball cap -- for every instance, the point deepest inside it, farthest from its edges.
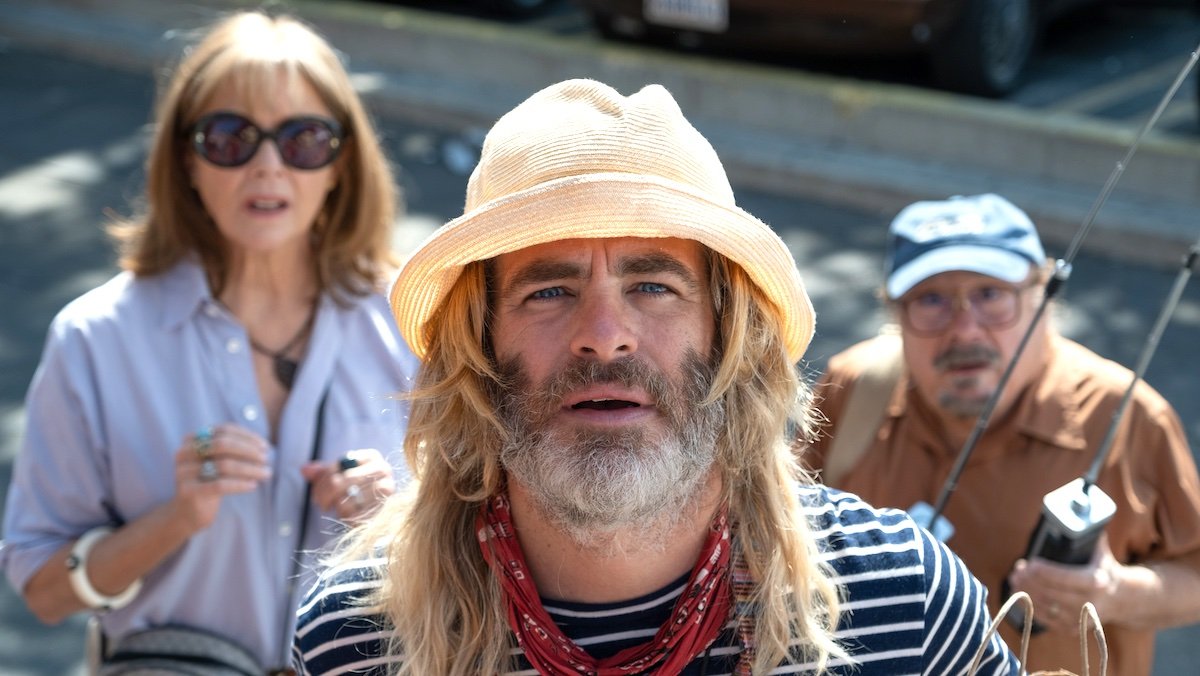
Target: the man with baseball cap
(964, 279)
(604, 483)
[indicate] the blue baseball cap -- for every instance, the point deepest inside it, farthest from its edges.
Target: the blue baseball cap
(986, 234)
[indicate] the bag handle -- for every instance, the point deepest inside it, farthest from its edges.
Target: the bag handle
(1027, 629)
(1087, 616)
(865, 405)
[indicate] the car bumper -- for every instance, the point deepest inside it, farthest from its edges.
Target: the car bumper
(807, 26)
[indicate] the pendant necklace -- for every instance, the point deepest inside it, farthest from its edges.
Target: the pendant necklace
(283, 366)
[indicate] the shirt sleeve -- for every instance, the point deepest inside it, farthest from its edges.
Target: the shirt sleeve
(338, 630)
(1166, 478)
(956, 618)
(58, 488)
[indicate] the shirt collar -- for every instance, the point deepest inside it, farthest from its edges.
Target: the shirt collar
(1050, 409)
(185, 292)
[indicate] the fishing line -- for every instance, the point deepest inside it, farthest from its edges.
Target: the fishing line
(931, 517)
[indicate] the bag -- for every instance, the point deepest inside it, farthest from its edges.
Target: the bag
(1087, 616)
(178, 651)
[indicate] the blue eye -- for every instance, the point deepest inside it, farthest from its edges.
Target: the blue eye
(552, 292)
(931, 300)
(652, 287)
(988, 293)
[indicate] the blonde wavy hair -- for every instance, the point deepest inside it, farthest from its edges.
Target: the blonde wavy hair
(259, 54)
(450, 617)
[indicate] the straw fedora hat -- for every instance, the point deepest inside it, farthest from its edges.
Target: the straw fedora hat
(579, 160)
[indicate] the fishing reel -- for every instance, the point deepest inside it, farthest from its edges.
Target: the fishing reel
(1072, 520)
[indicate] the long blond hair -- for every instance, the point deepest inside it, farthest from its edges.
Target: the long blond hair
(445, 605)
(255, 52)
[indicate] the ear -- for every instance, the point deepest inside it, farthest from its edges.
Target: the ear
(335, 177)
(189, 166)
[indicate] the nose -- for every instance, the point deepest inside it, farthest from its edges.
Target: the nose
(267, 157)
(962, 317)
(603, 328)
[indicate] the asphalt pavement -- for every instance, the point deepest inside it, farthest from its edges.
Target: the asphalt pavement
(72, 148)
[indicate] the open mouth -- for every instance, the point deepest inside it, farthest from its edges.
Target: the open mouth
(604, 405)
(268, 206)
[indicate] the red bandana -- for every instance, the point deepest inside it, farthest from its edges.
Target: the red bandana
(699, 614)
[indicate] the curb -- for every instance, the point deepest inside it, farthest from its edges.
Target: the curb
(865, 145)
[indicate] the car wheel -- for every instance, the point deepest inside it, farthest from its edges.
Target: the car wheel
(987, 50)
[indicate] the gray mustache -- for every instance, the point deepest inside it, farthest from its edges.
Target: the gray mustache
(966, 355)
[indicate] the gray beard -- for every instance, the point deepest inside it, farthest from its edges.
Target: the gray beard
(610, 489)
(961, 406)
(949, 399)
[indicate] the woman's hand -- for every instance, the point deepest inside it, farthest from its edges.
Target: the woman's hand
(215, 462)
(352, 487)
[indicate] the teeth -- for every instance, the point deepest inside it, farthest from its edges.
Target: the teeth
(267, 204)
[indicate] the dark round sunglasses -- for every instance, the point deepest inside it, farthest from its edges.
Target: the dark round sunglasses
(229, 140)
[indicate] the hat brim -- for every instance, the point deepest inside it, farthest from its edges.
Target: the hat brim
(595, 206)
(985, 260)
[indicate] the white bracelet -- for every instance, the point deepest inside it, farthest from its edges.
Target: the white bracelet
(82, 586)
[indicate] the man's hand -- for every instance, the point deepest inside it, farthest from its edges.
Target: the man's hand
(1060, 590)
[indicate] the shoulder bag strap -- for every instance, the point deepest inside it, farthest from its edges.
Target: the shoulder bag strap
(298, 554)
(864, 409)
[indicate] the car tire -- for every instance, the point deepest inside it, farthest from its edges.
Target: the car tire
(519, 8)
(987, 50)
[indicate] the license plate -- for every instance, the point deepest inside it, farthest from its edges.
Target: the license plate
(703, 15)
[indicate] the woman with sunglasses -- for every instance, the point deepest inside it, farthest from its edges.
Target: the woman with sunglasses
(199, 425)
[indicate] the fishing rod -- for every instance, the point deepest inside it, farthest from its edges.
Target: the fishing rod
(1082, 491)
(1074, 515)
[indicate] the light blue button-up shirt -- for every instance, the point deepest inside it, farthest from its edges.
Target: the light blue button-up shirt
(132, 367)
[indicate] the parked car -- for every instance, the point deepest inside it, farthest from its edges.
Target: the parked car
(518, 7)
(975, 46)
(515, 9)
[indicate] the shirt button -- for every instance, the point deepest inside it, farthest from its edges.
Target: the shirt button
(285, 529)
(212, 310)
(233, 345)
(250, 412)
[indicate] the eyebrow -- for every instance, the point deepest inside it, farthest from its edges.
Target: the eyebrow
(541, 271)
(655, 263)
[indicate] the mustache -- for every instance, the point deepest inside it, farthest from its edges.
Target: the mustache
(966, 355)
(629, 373)
(517, 397)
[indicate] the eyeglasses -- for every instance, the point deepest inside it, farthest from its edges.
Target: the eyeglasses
(993, 306)
(229, 140)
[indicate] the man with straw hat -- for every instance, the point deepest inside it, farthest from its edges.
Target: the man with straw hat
(600, 438)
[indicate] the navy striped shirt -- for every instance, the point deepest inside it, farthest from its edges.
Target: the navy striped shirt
(911, 607)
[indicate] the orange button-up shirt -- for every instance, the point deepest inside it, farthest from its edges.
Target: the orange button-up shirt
(1048, 439)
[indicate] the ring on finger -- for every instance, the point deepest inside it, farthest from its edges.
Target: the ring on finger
(354, 494)
(202, 442)
(208, 470)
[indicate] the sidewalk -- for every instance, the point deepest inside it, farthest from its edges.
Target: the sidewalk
(851, 143)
